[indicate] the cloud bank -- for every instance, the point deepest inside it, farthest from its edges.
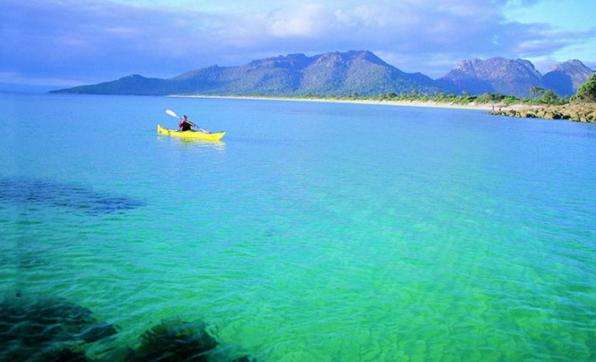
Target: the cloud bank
(98, 39)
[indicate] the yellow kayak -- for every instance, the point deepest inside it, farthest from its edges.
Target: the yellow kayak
(191, 135)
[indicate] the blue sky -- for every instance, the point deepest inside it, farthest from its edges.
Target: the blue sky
(68, 42)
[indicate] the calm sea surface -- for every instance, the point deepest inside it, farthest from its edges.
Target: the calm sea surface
(327, 232)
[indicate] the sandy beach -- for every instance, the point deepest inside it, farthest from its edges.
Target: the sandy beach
(472, 106)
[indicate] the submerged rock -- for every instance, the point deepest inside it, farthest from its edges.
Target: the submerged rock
(172, 341)
(243, 359)
(98, 331)
(64, 354)
(38, 329)
(52, 330)
(27, 191)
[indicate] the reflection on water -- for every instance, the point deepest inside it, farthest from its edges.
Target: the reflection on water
(215, 145)
(219, 145)
(16, 190)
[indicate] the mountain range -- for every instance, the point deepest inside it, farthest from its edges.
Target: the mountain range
(349, 73)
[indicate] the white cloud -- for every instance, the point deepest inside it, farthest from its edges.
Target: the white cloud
(304, 21)
(70, 38)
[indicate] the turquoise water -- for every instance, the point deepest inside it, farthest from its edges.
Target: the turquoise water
(328, 232)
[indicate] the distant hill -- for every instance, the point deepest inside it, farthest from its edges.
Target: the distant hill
(132, 84)
(513, 77)
(567, 77)
(349, 73)
(334, 73)
(497, 75)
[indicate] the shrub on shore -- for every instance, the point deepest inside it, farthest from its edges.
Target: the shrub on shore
(579, 112)
(587, 92)
(545, 96)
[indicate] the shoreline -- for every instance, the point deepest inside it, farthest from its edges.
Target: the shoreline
(429, 104)
(571, 112)
(576, 112)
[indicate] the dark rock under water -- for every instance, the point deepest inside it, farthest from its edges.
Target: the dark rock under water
(177, 340)
(64, 354)
(51, 329)
(174, 341)
(16, 190)
(47, 329)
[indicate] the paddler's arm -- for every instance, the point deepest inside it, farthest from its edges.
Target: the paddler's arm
(197, 127)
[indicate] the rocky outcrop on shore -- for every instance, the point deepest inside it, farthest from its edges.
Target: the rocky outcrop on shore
(578, 112)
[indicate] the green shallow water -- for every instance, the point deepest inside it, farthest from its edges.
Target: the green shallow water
(328, 232)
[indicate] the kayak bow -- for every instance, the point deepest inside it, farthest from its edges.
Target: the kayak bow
(191, 135)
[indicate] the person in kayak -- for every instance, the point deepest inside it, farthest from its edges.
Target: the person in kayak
(185, 124)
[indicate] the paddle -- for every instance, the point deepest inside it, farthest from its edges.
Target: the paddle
(169, 112)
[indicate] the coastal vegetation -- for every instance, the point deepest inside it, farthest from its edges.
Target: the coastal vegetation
(542, 103)
(579, 112)
(542, 96)
(587, 92)
(581, 107)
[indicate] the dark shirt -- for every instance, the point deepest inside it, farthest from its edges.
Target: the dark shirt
(184, 126)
